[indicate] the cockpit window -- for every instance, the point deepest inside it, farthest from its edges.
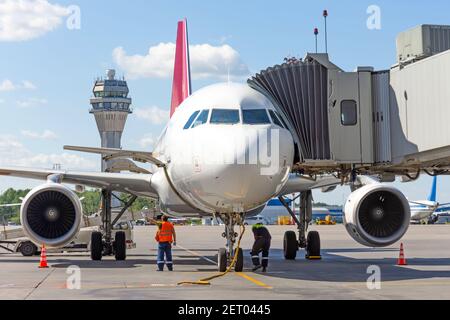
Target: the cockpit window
(275, 118)
(191, 119)
(255, 116)
(202, 119)
(282, 120)
(224, 116)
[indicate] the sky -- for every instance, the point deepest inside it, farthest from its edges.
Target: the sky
(51, 51)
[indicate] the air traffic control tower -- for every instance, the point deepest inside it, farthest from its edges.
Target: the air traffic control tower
(111, 107)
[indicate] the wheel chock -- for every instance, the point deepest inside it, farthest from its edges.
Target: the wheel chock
(313, 257)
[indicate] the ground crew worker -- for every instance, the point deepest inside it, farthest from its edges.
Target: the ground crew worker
(262, 244)
(165, 236)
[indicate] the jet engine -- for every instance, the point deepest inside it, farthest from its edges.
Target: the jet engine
(377, 215)
(51, 215)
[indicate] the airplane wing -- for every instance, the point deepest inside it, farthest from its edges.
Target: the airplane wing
(137, 184)
(10, 205)
(110, 153)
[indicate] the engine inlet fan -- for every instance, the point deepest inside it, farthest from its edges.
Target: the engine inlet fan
(381, 214)
(51, 214)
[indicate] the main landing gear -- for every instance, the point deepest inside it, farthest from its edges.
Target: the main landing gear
(226, 255)
(310, 241)
(102, 243)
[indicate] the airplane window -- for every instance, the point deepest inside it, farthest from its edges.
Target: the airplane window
(191, 119)
(255, 116)
(224, 116)
(202, 119)
(275, 118)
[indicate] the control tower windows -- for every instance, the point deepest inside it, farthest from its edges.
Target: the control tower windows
(225, 116)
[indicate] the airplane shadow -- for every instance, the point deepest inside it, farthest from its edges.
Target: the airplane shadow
(337, 268)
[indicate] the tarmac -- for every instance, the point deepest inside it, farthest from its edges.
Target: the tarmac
(345, 271)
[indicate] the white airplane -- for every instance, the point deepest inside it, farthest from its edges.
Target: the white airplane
(423, 210)
(225, 152)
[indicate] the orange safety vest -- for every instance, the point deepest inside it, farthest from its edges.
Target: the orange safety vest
(165, 233)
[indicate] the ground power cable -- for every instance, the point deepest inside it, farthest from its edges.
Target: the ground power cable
(206, 281)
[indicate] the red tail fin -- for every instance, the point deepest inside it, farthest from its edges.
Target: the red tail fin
(181, 87)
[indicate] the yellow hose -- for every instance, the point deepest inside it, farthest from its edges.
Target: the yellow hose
(206, 281)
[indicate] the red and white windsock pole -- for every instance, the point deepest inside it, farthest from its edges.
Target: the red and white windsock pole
(181, 87)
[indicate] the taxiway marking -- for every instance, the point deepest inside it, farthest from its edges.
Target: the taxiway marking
(253, 280)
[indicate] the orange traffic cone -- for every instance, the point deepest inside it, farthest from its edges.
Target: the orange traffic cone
(401, 259)
(43, 263)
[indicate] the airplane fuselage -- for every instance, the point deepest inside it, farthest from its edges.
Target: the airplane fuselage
(227, 151)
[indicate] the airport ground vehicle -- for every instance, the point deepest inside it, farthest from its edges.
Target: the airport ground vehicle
(81, 243)
(328, 221)
(256, 219)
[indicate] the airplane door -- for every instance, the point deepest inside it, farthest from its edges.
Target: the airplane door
(344, 117)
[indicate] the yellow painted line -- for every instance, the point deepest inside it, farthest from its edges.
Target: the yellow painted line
(253, 280)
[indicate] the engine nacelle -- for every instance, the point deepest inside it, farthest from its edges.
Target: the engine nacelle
(377, 215)
(51, 215)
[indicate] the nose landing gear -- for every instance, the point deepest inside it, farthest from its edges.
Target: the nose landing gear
(310, 241)
(230, 255)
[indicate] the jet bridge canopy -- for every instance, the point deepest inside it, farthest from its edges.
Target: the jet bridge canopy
(298, 90)
(330, 112)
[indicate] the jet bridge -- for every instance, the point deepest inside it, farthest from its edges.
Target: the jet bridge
(392, 120)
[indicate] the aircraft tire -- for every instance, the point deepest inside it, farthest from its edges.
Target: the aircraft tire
(120, 246)
(222, 260)
(96, 246)
(290, 245)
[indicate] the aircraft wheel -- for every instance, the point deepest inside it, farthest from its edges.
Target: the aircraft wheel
(120, 246)
(222, 260)
(239, 266)
(290, 245)
(313, 244)
(28, 249)
(96, 246)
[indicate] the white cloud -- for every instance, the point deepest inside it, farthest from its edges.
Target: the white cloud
(31, 102)
(22, 20)
(28, 85)
(46, 135)
(207, 61)
(14, 153)
(154, 115)
(7, 85)
(147, 141)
